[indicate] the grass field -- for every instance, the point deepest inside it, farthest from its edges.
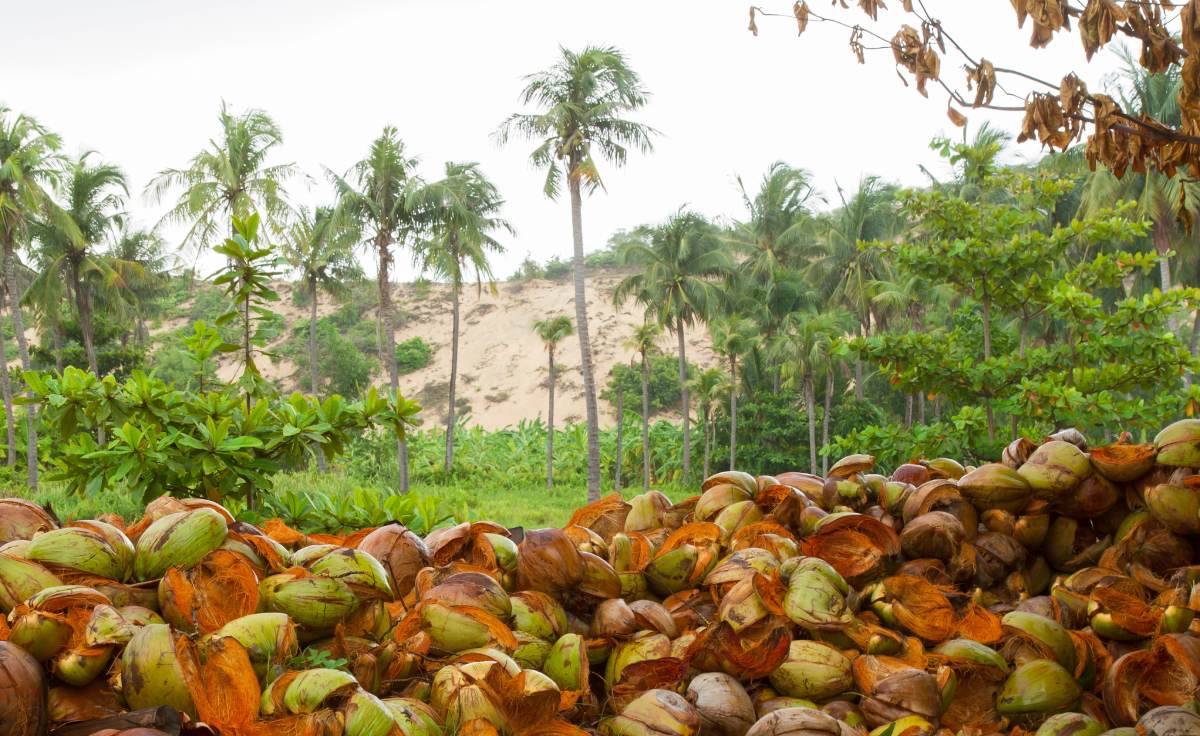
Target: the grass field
(531, 506)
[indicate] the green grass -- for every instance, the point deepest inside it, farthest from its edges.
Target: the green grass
(530, 506)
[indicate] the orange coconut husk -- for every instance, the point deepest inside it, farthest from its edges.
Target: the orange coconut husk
(1174, 676)
(605, 516)
(1122, 687)
(979, 624)
(921, 607)
(667, 673)
(856, 545)
(449, 543)
(221, 588)
(751, 653)
(284, 534)
(761, 534)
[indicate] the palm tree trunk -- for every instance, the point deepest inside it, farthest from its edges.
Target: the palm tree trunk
(312, 357)
(18, 323)
(810, 406)
(455, 289)
(550, 428)
(858, 373)
(83, 303)
(921, 408)
(645, 423)
(585, 347)
(706, 423)
(733, 392)
(987, 353)
(825, 416)
(383, 244)
(620, 438)
(57, 336)
(684, 402)
(908, 410)
(10, 421)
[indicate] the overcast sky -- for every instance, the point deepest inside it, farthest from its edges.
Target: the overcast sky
(141, 81)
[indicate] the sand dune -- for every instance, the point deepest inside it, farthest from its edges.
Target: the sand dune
(502, 363)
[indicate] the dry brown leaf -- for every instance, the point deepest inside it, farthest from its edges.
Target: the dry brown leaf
(800, 10)
(1098, 24)
(872, 7)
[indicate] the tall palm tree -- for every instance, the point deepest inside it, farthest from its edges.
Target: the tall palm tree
(644, 341)
(552, 331)
(319, 246)
(93, 197)
(675, 283)
(707, 386)
(30, 165)
(459, 214)
(375, 192)
(733, 336)
(231, 177)
(849, 275)
(581, 102)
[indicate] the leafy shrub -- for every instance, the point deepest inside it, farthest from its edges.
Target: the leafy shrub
(772, 433)
(339, 361)
(529, 269)
(557, 269)
(413, 354)
(364, 337)
(962, 436)
(664, 384)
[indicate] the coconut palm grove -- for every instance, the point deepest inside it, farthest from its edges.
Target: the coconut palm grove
(307, 449)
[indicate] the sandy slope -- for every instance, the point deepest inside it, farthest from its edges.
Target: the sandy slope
(502, 364)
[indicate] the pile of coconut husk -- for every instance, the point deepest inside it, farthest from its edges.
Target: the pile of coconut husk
(1051, 593)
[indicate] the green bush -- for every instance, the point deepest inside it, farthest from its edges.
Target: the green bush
(557, 269)
(529, 269)
(413, 354)
(363, 336)
(664, 384)
(772, 434)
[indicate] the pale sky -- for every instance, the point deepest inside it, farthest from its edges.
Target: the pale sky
(141, 81)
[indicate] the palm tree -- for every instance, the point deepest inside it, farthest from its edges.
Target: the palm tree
(733, 336)
(777, 237)
(805, 345)
(675, 284)
(93, 198)
(29, 166)
(707, 386)
(552, 331)
(319, 246)
(644, 342)
(375, 192)
(147, 250)
(581, 101)
(850, 274)
(460, 213)
(229, 178)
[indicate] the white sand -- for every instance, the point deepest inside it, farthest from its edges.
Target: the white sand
(502, 363)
